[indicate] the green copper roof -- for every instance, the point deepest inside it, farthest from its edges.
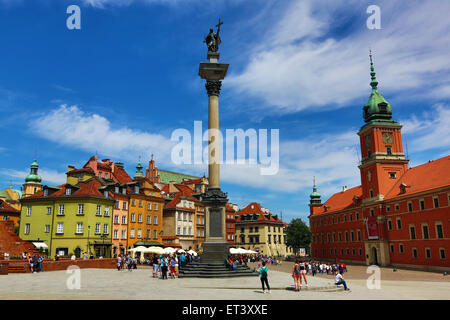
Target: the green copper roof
(139, 173)
(376, 107)
(315, 196)
(168, 176)
(33, 177)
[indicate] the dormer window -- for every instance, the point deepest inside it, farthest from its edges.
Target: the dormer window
(68, 191)
(116, 190)
(136, 189)
(45, 192)
(106, 175)
(392, 175)
(124, 190)
(105, 193)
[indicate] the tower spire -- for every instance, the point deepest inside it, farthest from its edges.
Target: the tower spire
(315, 196)
(374, 82)
(139, 167)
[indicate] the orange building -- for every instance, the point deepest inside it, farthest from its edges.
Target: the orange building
(145, 214)
(398, 215)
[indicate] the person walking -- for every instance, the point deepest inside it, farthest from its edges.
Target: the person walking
(340, 280)
(119, 262)
(296, 275)
(39, 262)
(164, 266)
(303, 273)
(155, 266)
(172, 267)
(263, 271)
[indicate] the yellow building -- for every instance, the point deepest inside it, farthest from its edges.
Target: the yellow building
(259, 230)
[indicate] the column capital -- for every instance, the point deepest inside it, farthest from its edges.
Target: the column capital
(213, 87)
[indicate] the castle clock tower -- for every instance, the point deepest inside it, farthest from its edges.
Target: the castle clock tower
(383, 160)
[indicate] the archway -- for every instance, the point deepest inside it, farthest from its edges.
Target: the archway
(374, 256)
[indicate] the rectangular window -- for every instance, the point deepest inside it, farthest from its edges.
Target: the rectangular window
(352, 236)
(61, 210)
(190, 217)
(436, 202)
(132, 233)
(179, 230)
(124, 219)
(60, 228)
(106, 211)
(133, 203)
(79, 227)
(399, 224)
(389, 224)
(27, 228)
(149, 206)
(422, 205)
(140, 203)
(47, 228)
(116, 219)
(392, 248)
(140, 217)
(149, 219)
(400, 248)
(124, 234)
(439, 231)
(155, 234)
(397, 207)
(427, 253)
(68, 191)
(116, 234)
(414, 253)
(155, 220)
(139, 233)
(410, 207)
(105, 228)
(155, 207)
(190, 231)
(133, 217)
(116, 204)
(442, 253)
(425, 232)
(124, 205)
(97, 228)
(412, 232)
(49, 210)
(99, 210)
(184, 231)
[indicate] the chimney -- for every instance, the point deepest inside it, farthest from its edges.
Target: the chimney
(344, 188)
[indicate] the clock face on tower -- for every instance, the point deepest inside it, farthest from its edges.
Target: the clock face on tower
(387, 138)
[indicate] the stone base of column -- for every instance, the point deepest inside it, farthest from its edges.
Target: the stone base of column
(215, 252)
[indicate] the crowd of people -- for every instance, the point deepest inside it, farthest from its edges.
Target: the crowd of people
(164, 265)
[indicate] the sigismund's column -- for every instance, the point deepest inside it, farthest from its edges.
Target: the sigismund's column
(215, 247)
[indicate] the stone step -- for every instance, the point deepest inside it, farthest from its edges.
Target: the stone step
(218, 275)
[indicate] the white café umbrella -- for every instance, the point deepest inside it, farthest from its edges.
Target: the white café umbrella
(169, 250)
(181, 250)
(192, 252)
(157, 250)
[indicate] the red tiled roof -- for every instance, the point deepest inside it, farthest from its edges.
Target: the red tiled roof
(6, 207)
(341, 200)
(121, 175)
(258, 210)
(428, 176)
(88, 188)
(81, 170)
(190, 181)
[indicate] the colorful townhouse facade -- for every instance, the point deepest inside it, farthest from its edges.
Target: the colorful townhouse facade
(230, 220)
(69, 219)
(259, 230)
(398, 216)
(145, 226)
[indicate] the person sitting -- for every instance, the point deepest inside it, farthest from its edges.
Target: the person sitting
(340, 280)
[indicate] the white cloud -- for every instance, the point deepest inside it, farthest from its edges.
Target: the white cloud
(300, 63)
(119, 3)
(430, 130)
(48, 175)
(92, 132)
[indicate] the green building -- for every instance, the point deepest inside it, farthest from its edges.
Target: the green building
(70, 219)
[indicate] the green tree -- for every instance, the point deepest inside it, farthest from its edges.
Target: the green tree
(298, 235)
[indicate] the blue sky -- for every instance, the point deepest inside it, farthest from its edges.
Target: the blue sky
(128, 78)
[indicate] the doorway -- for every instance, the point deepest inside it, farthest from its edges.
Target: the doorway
(374, 256)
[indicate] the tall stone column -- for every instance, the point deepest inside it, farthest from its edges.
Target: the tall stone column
(215, 247)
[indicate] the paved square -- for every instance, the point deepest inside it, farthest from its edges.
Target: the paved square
(139, 284)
